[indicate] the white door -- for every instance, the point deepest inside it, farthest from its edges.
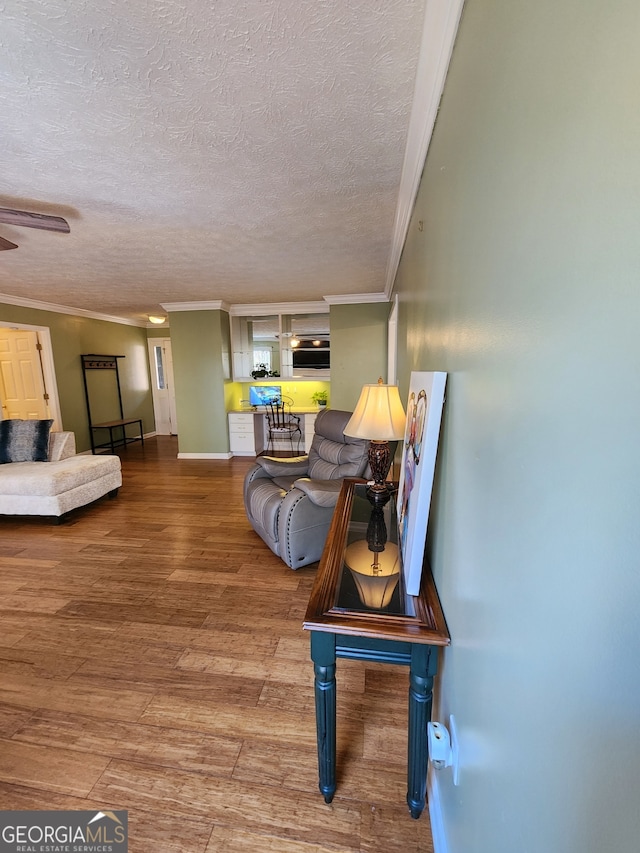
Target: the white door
(22, 387)
(164, 400)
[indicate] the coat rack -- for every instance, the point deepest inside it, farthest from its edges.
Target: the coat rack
(116, 428)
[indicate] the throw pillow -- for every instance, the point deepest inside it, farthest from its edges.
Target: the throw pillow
(24, 441)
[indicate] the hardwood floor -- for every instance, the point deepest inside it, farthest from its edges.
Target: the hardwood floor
(153, 659)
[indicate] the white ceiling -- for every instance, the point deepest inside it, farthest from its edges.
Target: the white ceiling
(247, 151)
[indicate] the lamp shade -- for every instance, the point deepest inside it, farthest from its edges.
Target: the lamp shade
(379, 415)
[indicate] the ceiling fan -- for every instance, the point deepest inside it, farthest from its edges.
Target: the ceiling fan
(30, 220)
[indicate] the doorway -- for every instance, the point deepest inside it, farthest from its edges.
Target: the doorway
(28, 387)
(162, 388)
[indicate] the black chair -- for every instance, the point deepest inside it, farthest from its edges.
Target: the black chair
(282, 426)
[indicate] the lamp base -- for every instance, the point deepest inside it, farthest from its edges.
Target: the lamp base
(379, 462)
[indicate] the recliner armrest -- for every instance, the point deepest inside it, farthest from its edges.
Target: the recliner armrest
(320, 492)
(283, 467)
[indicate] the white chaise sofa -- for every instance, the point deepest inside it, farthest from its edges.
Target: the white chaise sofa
(64, 482)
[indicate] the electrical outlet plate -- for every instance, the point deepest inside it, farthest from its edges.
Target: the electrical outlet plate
(453, 733)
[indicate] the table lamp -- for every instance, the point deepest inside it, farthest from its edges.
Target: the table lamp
(379, 417)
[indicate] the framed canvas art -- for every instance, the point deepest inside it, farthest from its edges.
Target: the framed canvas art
(424, 413)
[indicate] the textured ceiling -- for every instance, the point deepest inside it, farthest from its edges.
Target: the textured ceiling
(237, 150)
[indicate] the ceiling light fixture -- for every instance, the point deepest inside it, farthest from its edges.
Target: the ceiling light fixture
(155, 319)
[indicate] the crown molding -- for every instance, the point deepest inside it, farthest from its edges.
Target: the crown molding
(356, 298)
(262, 308)
(441, 20)
(212, 305)
(64, 309)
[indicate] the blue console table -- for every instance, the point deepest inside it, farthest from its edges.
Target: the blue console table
(358, 609)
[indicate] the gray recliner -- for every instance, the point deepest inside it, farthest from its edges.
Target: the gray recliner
(290, 503)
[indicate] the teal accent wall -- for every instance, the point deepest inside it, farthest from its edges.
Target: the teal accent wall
(524, 284)
(358, 350)
(199, 340)
(70, 337)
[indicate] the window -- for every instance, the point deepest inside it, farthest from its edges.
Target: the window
(159, 363)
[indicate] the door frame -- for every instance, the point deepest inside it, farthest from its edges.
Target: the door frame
(168, 368)
(48, 366)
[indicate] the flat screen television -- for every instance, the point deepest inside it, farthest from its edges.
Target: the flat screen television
(311, 359)
(262, 395)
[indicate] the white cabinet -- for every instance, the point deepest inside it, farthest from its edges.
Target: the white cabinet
(244, 438)
(248, 432)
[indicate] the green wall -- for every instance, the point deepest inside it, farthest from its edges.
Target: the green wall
(70, 337)
(358, 350)
(524, 286)
(200, 347)
(159, 331)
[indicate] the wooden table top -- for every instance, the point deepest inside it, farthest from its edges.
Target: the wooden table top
(423, 621)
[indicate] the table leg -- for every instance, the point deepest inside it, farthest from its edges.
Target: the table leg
(423, 668)
(323, 654)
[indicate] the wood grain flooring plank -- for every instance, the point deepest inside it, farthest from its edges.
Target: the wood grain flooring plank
(279, 696)
(263, 668)
(257, 723)
(27, 691)
(295, 648)
(227, 643)
(231, 621)
(10, 635)
(227, 840)
(12, 718)
(49, 768)
(33, 601)
(98, 611)
(384, 828)
(16, 797)
(162, 680)
(385, 743)
(172, 748)
(204, 576)
(295, 816)
(149, 830)
(157, 832)
(286, 767)
(9, 585)
(41, 664)
(104, 645)
(25, 565)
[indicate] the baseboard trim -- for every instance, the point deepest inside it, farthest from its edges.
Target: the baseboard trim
(204, 456)
(435, 814)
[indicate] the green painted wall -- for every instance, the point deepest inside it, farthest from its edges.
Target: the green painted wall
(524, 286)
(199, 340)
(159, 332)
(72, 336)
(358, 350)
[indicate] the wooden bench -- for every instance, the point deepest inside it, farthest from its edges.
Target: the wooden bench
(117, 440)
